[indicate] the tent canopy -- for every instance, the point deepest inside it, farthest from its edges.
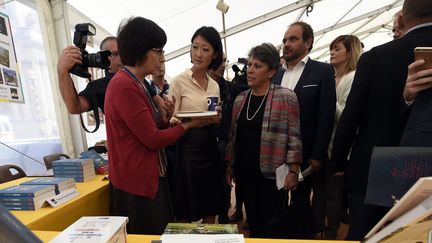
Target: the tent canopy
(249, 22)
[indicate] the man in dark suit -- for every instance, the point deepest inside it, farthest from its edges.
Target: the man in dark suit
(372, 115)
(314, 84)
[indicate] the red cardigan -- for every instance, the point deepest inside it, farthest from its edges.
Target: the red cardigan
(133, 137)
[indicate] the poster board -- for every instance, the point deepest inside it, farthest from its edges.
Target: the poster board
(10, 83)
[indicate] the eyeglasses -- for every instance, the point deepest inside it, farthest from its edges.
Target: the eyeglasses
(159, 51)
(114, 53)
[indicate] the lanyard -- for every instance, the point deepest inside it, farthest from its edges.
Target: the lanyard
(154, 109)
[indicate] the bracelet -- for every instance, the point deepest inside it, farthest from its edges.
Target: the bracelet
(294, 172)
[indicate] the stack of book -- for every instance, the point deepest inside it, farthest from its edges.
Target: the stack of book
(26, 197)
(100, 163)
(79, 169)
(94, 229)
(61, 184)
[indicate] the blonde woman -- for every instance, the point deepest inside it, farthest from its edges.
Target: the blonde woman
(345, 52)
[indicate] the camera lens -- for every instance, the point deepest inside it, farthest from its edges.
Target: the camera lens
(98, 60)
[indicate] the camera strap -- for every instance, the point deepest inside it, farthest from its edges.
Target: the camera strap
(95, 113)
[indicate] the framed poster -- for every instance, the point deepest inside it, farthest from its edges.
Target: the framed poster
(10, 83)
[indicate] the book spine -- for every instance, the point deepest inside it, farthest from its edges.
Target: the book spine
(21, 194)
(16, 199)
(20, 207)
(23, 203)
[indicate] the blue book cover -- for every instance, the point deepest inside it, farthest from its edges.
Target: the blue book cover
(393, 170)
(98, 160)
(20, 207)
(57, 182)
(12, 230)
(25, 190)
(19, 204)
(17, 200)
(72, 162)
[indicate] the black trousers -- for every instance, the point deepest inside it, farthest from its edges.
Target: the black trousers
(327, 201)
(363, 217)
(261, 198)
(146, 216)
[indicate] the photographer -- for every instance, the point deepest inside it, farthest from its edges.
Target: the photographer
(82, 102)
(95, 90)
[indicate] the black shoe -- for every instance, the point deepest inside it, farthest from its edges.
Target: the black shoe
(345, 218)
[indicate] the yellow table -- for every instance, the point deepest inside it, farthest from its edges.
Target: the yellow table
(48, 235)
(92, 201)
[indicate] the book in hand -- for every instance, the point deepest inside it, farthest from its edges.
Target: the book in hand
(186, 115)
(419, 192)
(192, 228)
(393, 170)
(59, 183)
(12, 230)
(94, 229)
(100, 163)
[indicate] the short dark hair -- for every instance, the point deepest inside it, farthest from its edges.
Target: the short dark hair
(104, 41)
(417, 9)
(307, 32)
(136, 36)
(266, 53)
(211, 35)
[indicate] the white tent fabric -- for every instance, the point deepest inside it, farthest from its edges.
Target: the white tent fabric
(249, 22)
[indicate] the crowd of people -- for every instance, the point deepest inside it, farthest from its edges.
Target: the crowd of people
(304, 115)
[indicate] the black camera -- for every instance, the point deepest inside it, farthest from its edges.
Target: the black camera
(240, 78)
(98, 60)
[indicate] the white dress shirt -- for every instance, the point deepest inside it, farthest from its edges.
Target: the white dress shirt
(291, 77)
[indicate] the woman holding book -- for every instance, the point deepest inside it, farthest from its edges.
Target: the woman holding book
(198, 179)
(136, 132)
(264, 136)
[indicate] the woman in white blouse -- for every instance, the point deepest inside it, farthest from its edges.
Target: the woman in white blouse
(345, 52)
(198, 181)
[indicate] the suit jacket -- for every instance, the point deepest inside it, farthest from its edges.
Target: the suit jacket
(372, 115)
(316, 96)
(418, 131)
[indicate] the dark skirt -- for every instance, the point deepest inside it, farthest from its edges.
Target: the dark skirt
(146, 216)
(198, 187)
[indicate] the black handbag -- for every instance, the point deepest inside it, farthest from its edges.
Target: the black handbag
(292, 220)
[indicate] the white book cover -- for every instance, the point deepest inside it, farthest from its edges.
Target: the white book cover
(415, 215)
(421, 190)
(93, 230)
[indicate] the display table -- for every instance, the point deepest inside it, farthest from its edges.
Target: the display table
(48, 235)
(92, 201)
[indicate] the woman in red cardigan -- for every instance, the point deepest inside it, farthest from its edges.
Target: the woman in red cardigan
(136, 132)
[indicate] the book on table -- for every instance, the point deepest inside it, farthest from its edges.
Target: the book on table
(59, 183)
(100, 163)
(79, 169)
(193, 228)
(26, 197)
(94, 229)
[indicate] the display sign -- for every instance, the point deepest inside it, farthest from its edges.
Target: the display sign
(10, 83)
